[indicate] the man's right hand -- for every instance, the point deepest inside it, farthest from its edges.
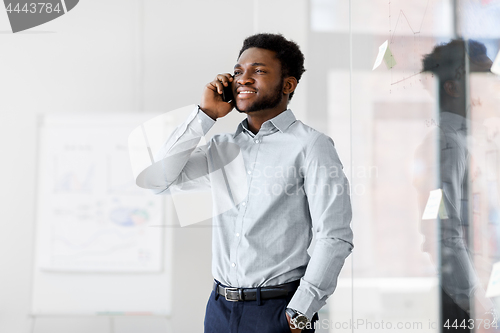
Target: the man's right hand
(211, 99)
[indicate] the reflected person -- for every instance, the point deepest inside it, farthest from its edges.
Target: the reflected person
(265, 280)
(460, 286)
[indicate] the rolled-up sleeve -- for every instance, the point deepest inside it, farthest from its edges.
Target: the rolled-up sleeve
(327, 190)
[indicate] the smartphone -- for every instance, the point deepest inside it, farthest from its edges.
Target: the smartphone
(227, 93)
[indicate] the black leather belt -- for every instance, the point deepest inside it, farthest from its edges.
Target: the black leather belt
(250, 294)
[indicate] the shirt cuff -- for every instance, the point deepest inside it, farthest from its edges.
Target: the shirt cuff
(205, 121)
(305, 303)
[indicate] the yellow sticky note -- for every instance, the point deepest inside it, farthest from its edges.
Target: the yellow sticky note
(435, 206)
(384, 53)
(389, 58)
(494, 283)
(495, 68)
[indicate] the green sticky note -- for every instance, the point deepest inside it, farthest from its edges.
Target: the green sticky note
(389, 58)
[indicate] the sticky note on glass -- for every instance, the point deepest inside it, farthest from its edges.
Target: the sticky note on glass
(435, 206)
(494, 283)
(385, 54)
(495, 68)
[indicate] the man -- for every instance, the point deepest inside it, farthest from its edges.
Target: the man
(460, 285)
(292, 184)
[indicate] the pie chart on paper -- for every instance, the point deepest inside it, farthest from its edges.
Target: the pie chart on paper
(26, 14)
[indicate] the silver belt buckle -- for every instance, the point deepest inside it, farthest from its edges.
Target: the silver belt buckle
(231, 289)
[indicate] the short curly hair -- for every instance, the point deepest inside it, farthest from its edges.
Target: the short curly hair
(287, 52)
(446, 59)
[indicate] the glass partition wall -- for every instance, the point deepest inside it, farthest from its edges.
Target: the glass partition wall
(407, 91)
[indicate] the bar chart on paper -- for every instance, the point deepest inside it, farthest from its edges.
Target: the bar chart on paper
(98, 247)
(92, 217)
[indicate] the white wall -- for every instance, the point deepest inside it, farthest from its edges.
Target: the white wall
(116, 56)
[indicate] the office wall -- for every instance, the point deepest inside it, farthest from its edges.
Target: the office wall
(115, 57)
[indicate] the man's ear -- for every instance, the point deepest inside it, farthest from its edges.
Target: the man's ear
(289, 85)
(452, 88)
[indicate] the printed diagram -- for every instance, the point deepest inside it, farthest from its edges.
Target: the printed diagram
(73, 173)
(105, 235)
(91, 216)
(118, 170)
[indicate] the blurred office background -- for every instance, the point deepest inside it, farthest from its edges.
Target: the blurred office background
(73, 88)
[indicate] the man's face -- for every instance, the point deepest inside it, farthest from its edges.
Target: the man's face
(258, 83)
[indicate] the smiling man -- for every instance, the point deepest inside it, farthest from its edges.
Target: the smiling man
(294, 186)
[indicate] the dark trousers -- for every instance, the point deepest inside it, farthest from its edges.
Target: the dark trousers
(223, 316)
(451, 312)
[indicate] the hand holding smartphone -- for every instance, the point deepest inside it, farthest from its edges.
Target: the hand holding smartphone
(227, 93)
(217, 100)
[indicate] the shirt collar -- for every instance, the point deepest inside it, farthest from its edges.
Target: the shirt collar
(281, 122)
(453, 121)
(241, 126)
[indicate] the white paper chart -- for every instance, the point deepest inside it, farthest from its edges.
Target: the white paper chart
(91, 216)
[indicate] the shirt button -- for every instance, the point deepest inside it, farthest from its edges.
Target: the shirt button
(233, 265)
(257, 141)
(249, 172)
(237, 234)
(243, 203)
(199, 120)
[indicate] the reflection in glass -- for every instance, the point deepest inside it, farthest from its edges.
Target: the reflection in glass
(458, 278)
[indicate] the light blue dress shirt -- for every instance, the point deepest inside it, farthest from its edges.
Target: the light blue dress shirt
(290, 184)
